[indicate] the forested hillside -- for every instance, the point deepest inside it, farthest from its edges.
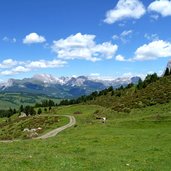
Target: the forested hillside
(150, 92)
(153, 90)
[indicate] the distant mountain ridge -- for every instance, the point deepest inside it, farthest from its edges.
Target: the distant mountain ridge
(62, 87)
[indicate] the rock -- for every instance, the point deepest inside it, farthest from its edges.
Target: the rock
(26, 130)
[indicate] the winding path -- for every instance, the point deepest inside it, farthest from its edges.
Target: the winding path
(58, 130)
(53, 132)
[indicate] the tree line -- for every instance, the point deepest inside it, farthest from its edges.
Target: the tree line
(7, 113)
(150, 78)
(28, 110)
(167, 72)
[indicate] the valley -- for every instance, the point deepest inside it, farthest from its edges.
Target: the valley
(139, 140)
(85, 85)
(134, 139)
(15, 100)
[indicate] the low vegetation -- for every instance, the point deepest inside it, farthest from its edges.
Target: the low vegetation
(153, 90)
(136, 135)
(28, 110)
(29, 127)
(14, 100)
(136, 141)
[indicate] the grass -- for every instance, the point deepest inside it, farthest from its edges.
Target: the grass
(158, 92)
(14, 100)
(14, 128)
(138, 141)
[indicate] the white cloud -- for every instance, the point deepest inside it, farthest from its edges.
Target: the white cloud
(125, 9)
(33, 38)
(94, 74)
(7, 39)
(81, 46)
(96, 77)
(6, 72)
(151, 37)
(14, 40)
(17, 67)
(20, 69)
(8, 63)
(121, 24)
(153, 50)
(126, 33)
(124, 36)
(15, 70)
(128, 74)
(155, 17)
(162, 7)
(120, 58)
(45, 64)
(115, 37)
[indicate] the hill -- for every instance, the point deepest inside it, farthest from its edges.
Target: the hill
(135, 138)
(136, 141)
(14, 100)
(153, 90)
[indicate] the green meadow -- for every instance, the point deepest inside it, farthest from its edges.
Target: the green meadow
(14, 100)
(13, 128)
(135, 141)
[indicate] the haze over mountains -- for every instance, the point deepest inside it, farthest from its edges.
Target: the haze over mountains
(63, 87)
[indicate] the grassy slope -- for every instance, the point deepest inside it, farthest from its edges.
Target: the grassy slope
(13, 129)
(14, 100)
(155, 93)
(136, 141)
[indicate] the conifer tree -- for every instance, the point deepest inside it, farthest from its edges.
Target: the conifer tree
(167, 72)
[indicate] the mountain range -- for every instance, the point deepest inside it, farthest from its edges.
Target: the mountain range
(62, 87)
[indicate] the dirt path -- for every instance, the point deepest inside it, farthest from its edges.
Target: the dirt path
(53, 132)
(58, 130)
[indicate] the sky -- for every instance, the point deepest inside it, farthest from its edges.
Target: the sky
(100, 38)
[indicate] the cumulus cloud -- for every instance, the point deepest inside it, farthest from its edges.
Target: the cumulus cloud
(6, 72)
(125, 9)
(15, 70)
(20, 69)
(120, 58)
(81, 46)
(153, 50)
(26, 66)
(46, 64)
(162, 7)
(33, 38)
(8, 63)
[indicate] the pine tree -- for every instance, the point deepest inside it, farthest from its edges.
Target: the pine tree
(21, 108)
(167, 72)
(39, 111)
(140, 84)
(50, 108)
(113, 93)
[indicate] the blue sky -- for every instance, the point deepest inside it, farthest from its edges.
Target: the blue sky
(73, 37)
